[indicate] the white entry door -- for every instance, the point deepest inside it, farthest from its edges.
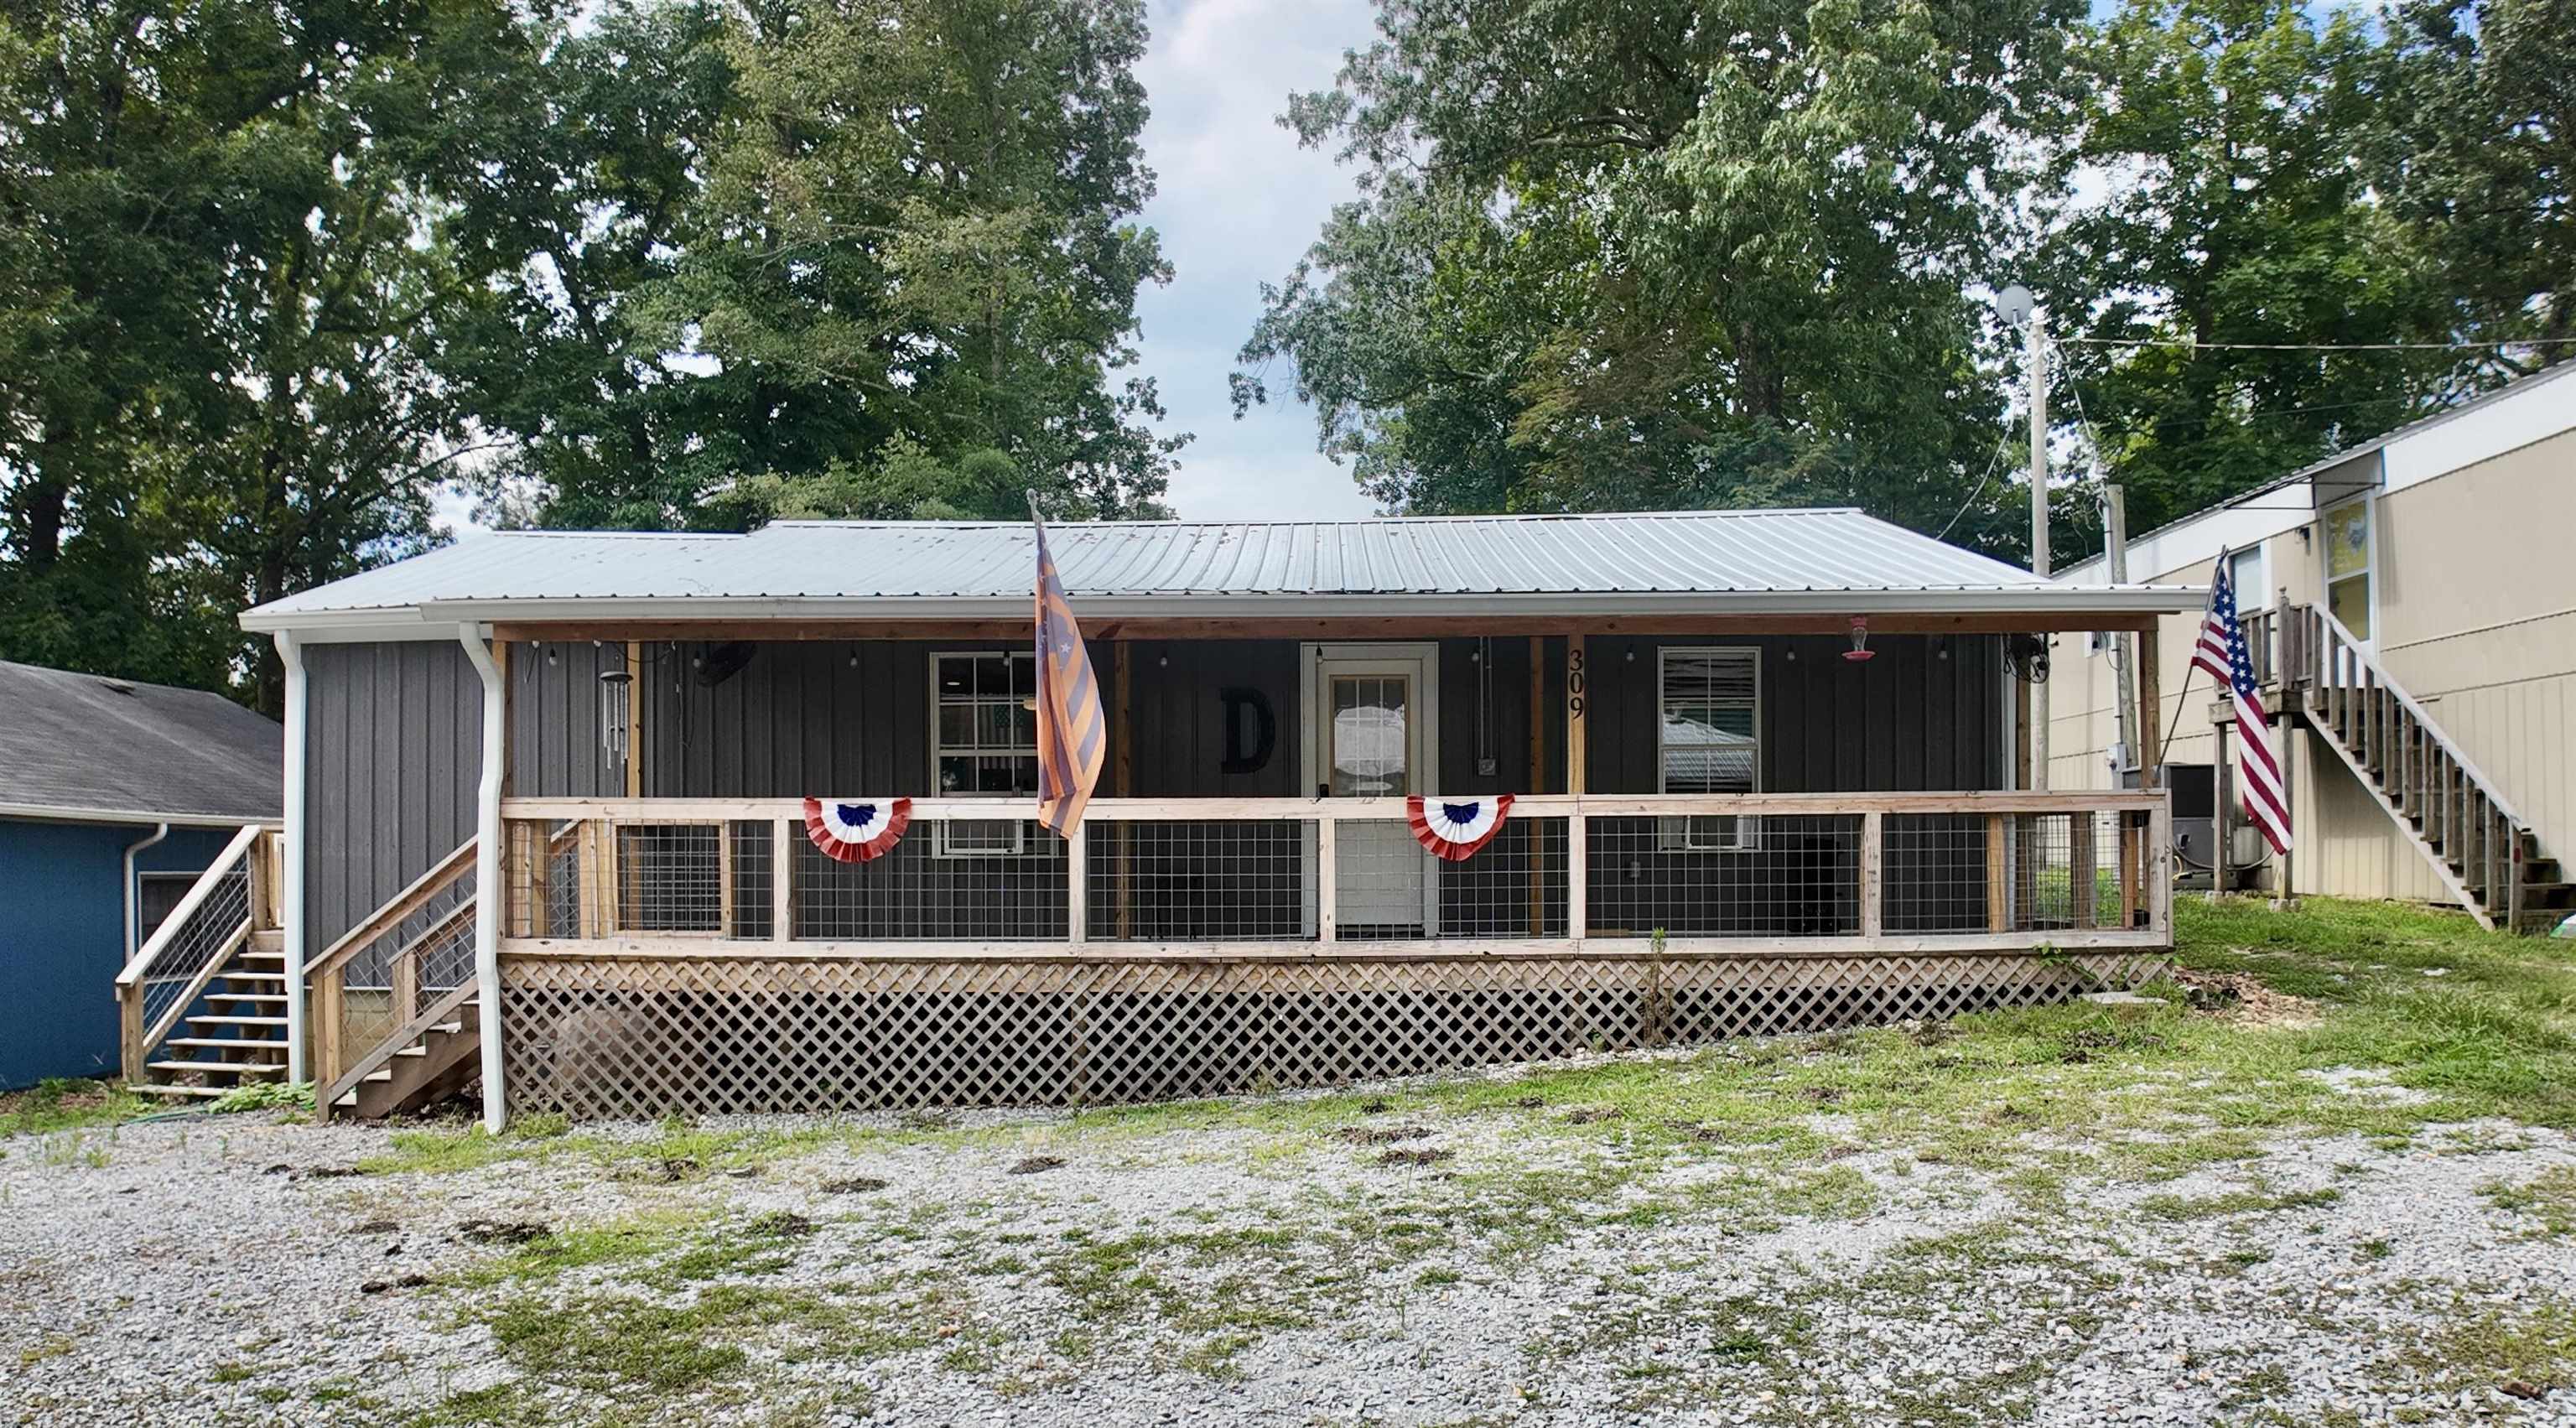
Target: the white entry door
(1371, 732)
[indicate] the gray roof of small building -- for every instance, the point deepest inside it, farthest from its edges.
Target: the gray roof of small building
(1712, 560)
(83, 744)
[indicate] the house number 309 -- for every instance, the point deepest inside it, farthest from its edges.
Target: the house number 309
(1574, 682)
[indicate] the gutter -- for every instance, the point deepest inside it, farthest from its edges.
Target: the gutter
(290, 898)
(141, 817)
(487, 878)
(1995, 600)
(134, 890)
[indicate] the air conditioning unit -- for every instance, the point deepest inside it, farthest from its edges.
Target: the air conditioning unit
(2195, 830)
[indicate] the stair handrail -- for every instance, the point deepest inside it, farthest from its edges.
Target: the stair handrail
(2468, 766)
(204, 887)
(137, 1038)
(415, 895)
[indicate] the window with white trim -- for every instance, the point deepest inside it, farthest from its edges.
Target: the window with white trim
(2245, 572)
(1708, 740)
(984, 744)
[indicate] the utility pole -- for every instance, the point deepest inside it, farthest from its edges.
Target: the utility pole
(2115, 522)
(2038, 364)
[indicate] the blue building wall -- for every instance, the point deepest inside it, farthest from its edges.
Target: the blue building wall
(62, 939)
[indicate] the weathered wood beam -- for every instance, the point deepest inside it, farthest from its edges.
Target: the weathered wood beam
(1340, 627)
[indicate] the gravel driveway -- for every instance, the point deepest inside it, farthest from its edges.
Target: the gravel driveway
(1405, 1258)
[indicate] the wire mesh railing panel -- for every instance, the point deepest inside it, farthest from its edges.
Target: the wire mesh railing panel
(1199, 880)
(561, 895)
(206, 935)
(749, 878)
(979, 880)
(1773, 875)
(1515, 886)
(1388, 887)
(670, 877)
(1933, 873)
(2016, 872)
(634, 1038)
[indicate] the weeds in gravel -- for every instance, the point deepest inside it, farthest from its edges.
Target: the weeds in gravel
(58, 1104)
(2550, 1199)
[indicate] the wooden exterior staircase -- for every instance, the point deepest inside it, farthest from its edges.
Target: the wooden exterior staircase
(202, 1003)
(2476, 844)
(395, 1025)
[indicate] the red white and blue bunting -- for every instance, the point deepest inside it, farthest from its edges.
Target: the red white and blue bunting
(856, 830)
(1454, 828)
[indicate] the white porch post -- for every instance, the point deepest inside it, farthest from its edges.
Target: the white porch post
(290, 898)
(487, 874)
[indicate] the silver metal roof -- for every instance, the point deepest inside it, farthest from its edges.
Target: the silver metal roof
(1706, 560)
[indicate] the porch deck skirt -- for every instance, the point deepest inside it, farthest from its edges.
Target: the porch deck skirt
(608, 1036)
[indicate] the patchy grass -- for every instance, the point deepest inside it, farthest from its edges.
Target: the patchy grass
(56, 1104)
(2550, 1199)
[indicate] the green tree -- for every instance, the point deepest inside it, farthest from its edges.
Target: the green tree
(224, 273)
(2228, 142)
(2475, 123)
(916, 241)
(1653, 254)
(577, 192)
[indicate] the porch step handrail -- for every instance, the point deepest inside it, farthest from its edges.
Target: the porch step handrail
(393, 910)
(2429, 786)
(189, 903)
(200, 938)
(2341, 640)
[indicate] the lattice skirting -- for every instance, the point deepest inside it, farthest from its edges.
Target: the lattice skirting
(599, 1037)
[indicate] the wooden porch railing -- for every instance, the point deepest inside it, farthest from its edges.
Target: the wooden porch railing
(1342, 877)
(169, 973)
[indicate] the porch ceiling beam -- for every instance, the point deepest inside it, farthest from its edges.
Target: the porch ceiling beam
(1347, 627)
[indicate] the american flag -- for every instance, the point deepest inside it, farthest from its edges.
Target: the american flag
(2223, 653)
(1071, 741)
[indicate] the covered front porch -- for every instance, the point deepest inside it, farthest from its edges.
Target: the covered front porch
(1715, 832)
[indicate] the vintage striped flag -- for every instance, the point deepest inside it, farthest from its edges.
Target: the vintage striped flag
(2222, 651)
(1072, 733)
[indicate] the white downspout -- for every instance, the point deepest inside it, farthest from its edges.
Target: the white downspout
(487, 876)
(290, 899)
(134, 892)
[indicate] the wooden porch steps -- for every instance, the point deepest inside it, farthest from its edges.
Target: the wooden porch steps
(2478, 847)
(435, 1055)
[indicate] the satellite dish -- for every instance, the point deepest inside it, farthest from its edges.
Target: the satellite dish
(2013, 304)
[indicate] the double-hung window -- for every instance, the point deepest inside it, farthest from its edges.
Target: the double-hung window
(984, 727)
(1709, 741)
(2348, 561)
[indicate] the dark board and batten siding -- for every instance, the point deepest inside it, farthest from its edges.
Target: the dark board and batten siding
(394, 756)
(396, 730)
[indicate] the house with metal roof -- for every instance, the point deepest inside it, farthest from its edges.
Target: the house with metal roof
(115, 797)
(2411, 609)
(625, 824)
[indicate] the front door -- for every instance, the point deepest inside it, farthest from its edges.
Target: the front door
(1370, 733)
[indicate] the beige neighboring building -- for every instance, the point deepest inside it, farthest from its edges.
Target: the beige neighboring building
(2414, 606)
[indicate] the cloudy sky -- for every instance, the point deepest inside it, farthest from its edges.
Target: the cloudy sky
(1237, 202)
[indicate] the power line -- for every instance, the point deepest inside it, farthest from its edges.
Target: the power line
(1991, 464)
(2317, 346)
